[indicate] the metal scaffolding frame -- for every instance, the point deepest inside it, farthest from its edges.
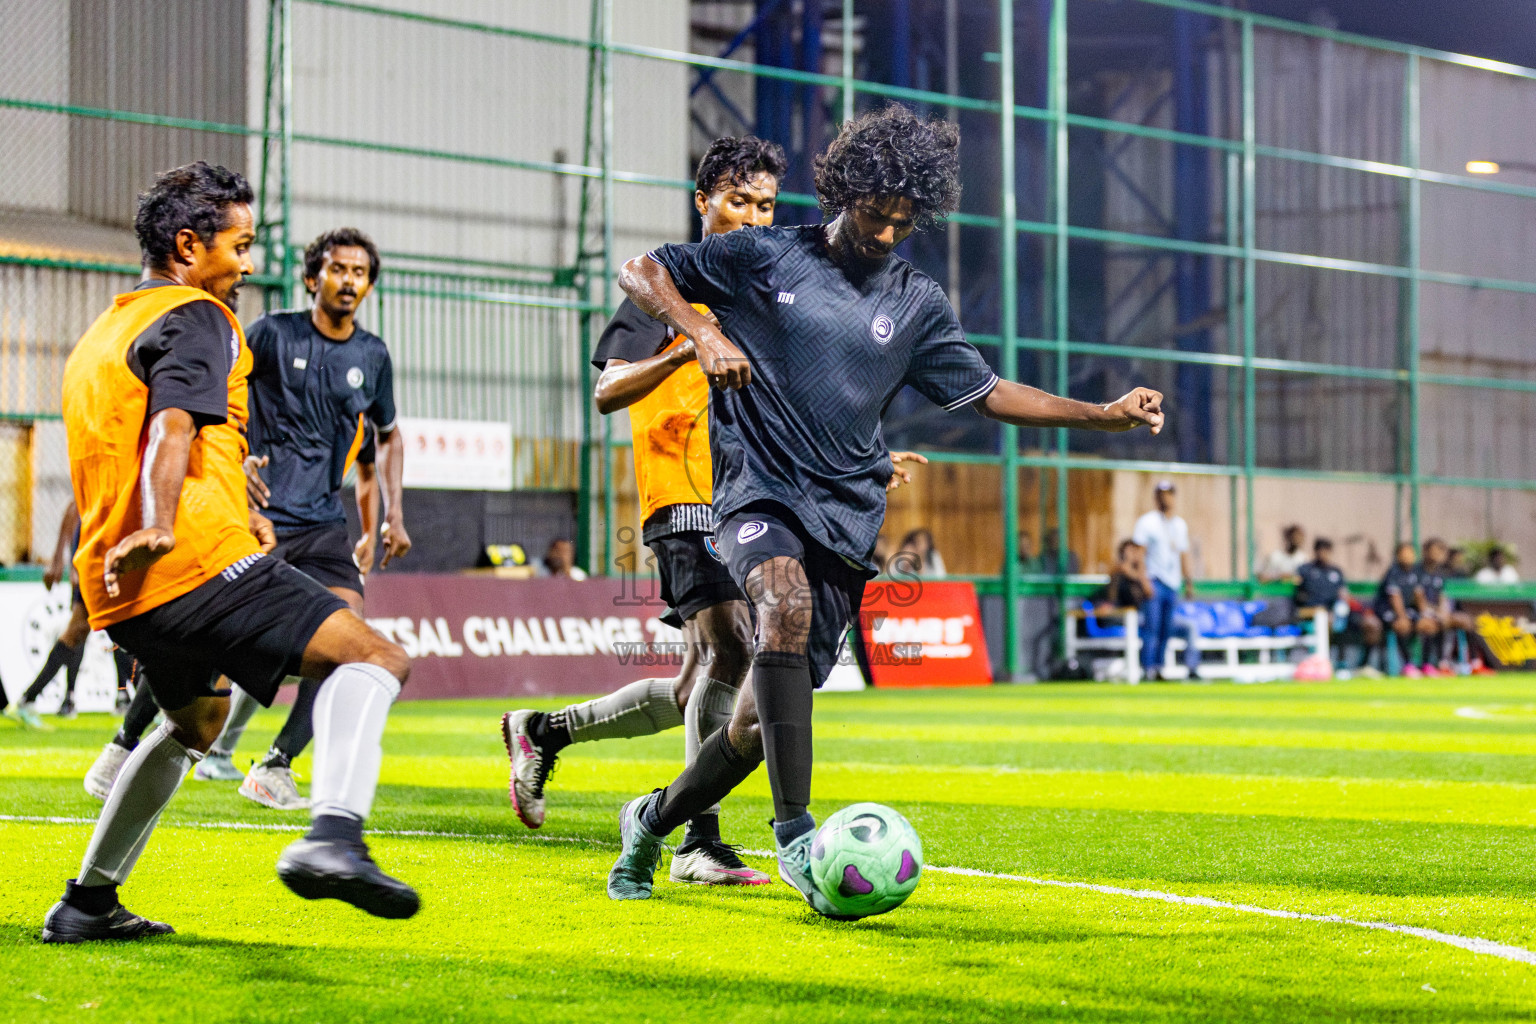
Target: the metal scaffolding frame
(591, 276)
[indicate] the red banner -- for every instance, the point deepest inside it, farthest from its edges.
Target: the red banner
(924, 633)
(478, 636)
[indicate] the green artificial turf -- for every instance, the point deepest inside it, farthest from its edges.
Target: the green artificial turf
(1410, 802)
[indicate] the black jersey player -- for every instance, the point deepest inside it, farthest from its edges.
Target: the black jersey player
(322, 398)
(819, 327)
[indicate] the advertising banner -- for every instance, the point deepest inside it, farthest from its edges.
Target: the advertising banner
(31, 619)
(457, 454)
(924, 633)
(1504, 635)
(478, 636)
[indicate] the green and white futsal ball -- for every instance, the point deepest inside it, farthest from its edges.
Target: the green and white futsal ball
(866, 859)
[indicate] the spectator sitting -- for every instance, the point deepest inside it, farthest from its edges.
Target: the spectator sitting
(1457, 567)
(882, 552)
(918, 557)
(1050, 556)
(1321, 585)
(1165, 536)
(560, 560)
(1400, 602)
(1498, 570)
(1433, 572)
(1130, 587)
(1282, 564)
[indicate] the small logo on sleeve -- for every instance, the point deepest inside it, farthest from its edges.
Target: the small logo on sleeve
(787, 298)
(355, 377)
(712, 548)
(882, 328)
(749, 532)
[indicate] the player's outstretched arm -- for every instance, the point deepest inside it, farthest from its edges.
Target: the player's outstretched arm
(1030, 407)
(55, 570)
(649, 285)
(165, 470)
(901, 476)
(623, 383)
(391, 467)
(367, 515)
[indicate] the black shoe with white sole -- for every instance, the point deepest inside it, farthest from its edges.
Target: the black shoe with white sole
(65, 923)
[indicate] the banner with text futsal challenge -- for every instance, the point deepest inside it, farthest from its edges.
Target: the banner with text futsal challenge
(478, 636)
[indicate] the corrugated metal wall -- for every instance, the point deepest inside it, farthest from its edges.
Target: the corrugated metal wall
(406, 83)
(398, 82)
(179, 58)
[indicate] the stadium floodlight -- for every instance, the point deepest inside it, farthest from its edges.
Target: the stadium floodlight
(1499, 166)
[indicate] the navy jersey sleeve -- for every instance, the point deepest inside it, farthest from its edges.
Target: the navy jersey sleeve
(705, 272)
(185, 361)
(945, 368)
(382, 412)
(631, 336)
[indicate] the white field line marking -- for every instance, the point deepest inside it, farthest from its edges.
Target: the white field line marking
(1472, 944)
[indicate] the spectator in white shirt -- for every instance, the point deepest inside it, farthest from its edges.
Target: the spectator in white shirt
(1498, 570)
(1166, 539)
(1284, 563)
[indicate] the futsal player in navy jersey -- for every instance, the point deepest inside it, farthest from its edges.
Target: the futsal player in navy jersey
(819, 327)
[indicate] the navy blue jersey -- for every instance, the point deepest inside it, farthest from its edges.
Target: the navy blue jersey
(828, 353)
(1400, 581)
(1320, 586)
(309, 398)
(1433, 582)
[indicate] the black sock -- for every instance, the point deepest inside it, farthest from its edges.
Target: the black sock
(782, 685)
(702, 828)
(549, 732)
(72, 670)
(714, 773)
(57, 659)
(141, 712)
(298, 730)
(124, 663)
(342, 827)
(90, 899)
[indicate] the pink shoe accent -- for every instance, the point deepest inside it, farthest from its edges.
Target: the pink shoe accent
(1432, 672)
(1412, 672)
(748, 876)
(527, 748)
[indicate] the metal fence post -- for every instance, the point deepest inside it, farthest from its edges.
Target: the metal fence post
(1250, 299)
(1012, 648)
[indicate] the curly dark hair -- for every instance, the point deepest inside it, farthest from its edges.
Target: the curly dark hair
(734, 159)
(314, 253)
(892, 152)
(196, 196)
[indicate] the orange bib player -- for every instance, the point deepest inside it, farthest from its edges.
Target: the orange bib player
(174, 565)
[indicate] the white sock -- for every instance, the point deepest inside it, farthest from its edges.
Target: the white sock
(146, 783)
(710, 707)
(639, 709)
(350, 713)
(241, 707)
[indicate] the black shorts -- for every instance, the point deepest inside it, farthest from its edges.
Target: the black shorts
(323, 553)
(764, 530)
(251, 623)
(693, 575)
